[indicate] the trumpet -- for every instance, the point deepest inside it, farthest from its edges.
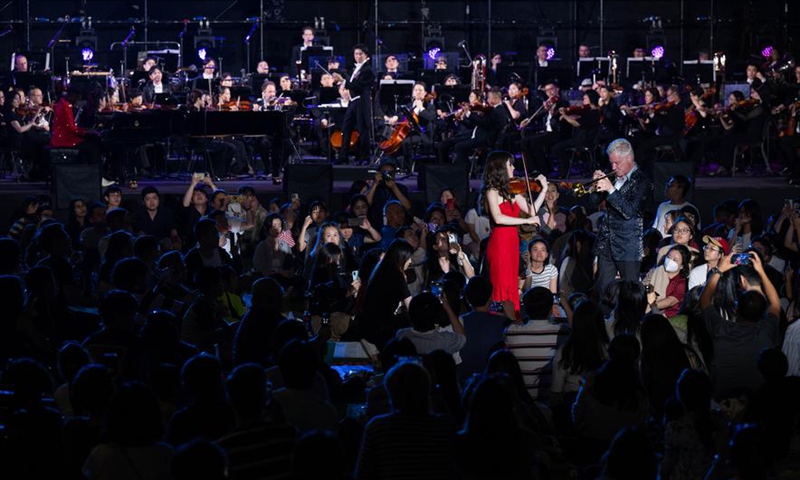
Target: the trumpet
(581, 189)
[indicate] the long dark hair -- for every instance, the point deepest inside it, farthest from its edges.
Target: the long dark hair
(617, 382)
(397, 255)
(696, 330)
(585, 349)
(496, 175)
(756, 218)
(663, 360)
(630, 308)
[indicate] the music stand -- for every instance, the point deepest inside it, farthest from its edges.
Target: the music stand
(256, 81)
(26, 80)
(433, 77)
(506, 74)
(459, 93)
(699, 72)
(327, 95)
(594, 68)
(165, 99)
(241, 93)
(394, 92)
(316, 51)
(641, 68)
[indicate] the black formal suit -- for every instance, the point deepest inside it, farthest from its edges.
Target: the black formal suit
(536, 146)
(422, 130)
(619, 238)
(359, 112)
(149, 91)
(481, 131)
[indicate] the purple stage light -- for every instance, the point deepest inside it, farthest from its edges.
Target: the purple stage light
(551, 53)
(657, 52)
(767, 51)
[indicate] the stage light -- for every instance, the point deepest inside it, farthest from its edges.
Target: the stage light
(657, 52)
(766, 52)
(551, 53)
(87, 46)
(433, 53)
(87, 54)
(204, 46)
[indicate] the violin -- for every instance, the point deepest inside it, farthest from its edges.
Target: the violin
(577, 110)
(663, 106)
(522, 94)
(429, 97)
(519, 186)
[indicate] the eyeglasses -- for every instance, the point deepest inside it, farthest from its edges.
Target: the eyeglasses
(682, 230)
(711, 248)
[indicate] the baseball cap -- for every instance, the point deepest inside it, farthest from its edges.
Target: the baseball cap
(718, 242)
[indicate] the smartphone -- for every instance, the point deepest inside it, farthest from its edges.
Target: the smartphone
(436, 289)
(450, 204)
(741, 259)
(199, 175)
(788, 202)
(354, 275)
(295, 197)
(432, 227)
(355, 222)
(452, 238)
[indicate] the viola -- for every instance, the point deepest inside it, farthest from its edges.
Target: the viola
(522, 94)
(519, 186)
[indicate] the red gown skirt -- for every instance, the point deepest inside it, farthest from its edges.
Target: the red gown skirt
(502, 253)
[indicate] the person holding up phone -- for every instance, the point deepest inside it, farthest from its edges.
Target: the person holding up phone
(738, 343)
(445, 254)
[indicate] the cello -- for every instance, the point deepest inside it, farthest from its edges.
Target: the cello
(403, 129)
(337, 137)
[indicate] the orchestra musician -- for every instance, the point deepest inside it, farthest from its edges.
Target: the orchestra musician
(585, 122)
(535, 147)
(421, 115)
(272, 151)
(155, 86)
(482, 129)
(359, 111)
(749, 120)
(610, 115)
(308, 41)
(698, 128)
(148, 63)
(262, 68)
(392, 65)
(668, 117)
(28, 137)
(517, 111)
(20, 63)
(638, 122)
(331, 120)
(66, 134)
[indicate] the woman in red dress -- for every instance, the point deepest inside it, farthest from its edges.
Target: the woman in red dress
(502, 252)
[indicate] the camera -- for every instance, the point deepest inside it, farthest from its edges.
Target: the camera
(452, 238)
(387, 175)
(199, 175)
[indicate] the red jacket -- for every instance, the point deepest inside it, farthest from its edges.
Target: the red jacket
(65, 133)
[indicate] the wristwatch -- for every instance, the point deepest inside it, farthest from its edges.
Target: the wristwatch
(715, 270)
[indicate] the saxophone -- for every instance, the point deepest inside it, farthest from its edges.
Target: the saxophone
(478, 81)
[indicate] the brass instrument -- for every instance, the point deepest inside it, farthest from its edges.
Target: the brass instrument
(478, 79)
(581, 189)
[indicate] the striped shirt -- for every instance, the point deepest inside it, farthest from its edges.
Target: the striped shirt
(403, 446)
(262, 451)
(534, 344)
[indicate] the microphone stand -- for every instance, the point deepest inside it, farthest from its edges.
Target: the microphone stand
(247, 42)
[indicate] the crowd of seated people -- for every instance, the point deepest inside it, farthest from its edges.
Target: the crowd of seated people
(198, 338)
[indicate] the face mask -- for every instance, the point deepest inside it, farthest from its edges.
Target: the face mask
(670, 265)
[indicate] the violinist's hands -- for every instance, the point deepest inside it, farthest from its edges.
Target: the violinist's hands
(543, 180)
(525, 123)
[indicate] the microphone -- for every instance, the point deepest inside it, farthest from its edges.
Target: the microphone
(462, 43)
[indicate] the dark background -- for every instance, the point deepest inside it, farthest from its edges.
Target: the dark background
(741, 28)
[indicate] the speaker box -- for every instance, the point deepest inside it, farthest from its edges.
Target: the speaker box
(433, 178)
(71, 181)
(662, 171)
(309, 181)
